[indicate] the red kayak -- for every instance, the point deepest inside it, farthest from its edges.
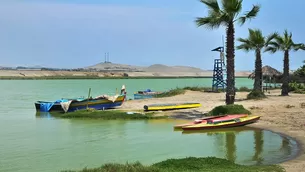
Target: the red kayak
(204, 120)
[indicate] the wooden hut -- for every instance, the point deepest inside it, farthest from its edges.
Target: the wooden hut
(269, 76)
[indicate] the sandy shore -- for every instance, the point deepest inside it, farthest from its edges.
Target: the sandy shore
(284, 115)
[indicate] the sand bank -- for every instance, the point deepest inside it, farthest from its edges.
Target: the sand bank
(285, 115)
(75, 74)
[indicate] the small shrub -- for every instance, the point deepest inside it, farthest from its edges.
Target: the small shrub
(202, 89)
(296, 86)
(171, 93)
(299, 91)
(256, 95)
(243, 89)
(228, 109)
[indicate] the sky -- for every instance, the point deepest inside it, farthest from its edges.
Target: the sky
(78, 33)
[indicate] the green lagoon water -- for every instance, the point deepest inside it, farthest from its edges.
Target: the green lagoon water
(31, 143)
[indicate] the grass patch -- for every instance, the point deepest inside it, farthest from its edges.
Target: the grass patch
(197, 88)
(256, 95)
(243, 89)
(297, 88)
(110, 114)
(170, 93)
(228, 109)
(189, 164)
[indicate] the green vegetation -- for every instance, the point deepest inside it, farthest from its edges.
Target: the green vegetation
(285, 44)
(300, 71)
(109, 114)
(178, 91)
(170, 93)
(256, 42)
(243, 89)
(297, 88)
(228, 109)
(256, 95)
(189, 164)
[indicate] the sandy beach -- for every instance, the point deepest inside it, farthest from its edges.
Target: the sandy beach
(285, 115)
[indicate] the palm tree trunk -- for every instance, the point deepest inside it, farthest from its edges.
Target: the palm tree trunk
(258, 71)
(285, 74)
(230, 91)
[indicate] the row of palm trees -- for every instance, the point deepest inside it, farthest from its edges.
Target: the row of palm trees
(227, 15)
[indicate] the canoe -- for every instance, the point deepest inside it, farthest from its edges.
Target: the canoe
(196, 121)
(70, 105)
(170, 106)
(223, 122)
(147, 94)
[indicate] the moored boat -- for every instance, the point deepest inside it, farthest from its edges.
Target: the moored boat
(224, 122)
(146, 94)
(70, 105)
(170, 106)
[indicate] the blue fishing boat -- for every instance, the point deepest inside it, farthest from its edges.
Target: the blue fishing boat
(70, 105)
(146, 94)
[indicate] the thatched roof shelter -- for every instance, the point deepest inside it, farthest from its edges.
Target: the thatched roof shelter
(267, 71)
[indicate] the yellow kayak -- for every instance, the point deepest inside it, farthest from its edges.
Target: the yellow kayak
(170, 106)
(223, 123)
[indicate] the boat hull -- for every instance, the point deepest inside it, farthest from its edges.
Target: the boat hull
(98, 104)
(248, 120)
(203, 121)
(143, 96)
(156, 107)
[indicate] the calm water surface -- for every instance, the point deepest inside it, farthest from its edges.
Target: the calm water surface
(30, 143)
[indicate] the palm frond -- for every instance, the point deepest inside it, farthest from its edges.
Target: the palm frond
(249, 15)
(245, 47)
(274, 44)
(297, 47)
(270, 49)
(209, 22)
(280, 42)
(270, 37)
(232, 8)
(212, 5)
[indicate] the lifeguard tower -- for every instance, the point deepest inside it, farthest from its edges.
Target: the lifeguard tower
(219, 72)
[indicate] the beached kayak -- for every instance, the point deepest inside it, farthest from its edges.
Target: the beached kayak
(223, 122)
(197, 121)
(170, 106)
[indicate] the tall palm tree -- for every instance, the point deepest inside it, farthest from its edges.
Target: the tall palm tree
(227, 15)
(256, 41)
(284, 43)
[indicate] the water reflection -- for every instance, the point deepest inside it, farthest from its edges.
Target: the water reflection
(232, 143)
(230, 146)
(259, 143)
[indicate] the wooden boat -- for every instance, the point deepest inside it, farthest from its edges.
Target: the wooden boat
(223, 122)
(147, 94)
(196, 121)
(170, 106)
(70, 105)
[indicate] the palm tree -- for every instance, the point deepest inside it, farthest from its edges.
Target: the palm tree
(227, 16)
(256, 41)
(284, 43)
